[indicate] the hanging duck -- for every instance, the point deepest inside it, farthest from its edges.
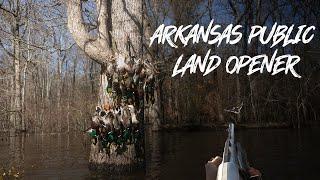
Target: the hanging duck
(122, 65)
(134, 119)
(116, 121)
(98, 110)
(116, 90)
(123, 90)
(93, 134)
(125, 116)
(104, 121)
(109, 85)
(94, 129)
(95, 121)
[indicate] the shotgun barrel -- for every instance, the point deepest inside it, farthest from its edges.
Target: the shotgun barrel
(234, 163)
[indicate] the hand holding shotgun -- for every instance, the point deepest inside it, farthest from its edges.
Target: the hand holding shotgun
(233, 165)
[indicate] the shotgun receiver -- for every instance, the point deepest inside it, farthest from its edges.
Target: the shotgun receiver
(234, 163)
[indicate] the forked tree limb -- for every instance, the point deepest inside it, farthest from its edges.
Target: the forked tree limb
(98, 49)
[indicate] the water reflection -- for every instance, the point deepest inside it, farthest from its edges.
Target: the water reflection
(153, 154)
(279, 154)
(44, 156)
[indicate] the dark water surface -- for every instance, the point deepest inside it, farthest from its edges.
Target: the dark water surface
(279, 154)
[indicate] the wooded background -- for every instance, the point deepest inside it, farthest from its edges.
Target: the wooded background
(49, 85)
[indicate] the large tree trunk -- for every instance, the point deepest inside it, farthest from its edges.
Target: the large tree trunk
(120, 36)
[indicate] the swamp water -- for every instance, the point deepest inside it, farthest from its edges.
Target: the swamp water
(278, 153)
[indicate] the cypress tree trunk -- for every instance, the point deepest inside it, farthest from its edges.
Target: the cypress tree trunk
(118, 49)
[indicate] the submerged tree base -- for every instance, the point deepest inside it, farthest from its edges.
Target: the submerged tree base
(109, 161)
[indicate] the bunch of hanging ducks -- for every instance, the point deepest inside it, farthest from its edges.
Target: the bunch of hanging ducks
(129, 81)
(118, 126)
